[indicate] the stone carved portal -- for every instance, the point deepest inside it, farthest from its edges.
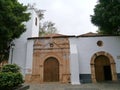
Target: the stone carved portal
(103, 67)
(51, 60)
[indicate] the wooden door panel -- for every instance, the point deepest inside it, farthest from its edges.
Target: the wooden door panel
(51, 70)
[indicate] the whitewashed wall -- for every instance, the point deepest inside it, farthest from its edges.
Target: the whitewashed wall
(20, 49)
(29, 57)
(83, 48)
(74, 65)
(87, 46)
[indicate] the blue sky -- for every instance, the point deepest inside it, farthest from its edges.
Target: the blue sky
(71, 17)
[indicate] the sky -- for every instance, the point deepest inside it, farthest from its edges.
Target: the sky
(71, 17)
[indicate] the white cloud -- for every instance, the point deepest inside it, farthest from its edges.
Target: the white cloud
(70, 16)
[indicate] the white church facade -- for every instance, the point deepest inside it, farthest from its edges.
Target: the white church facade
(66, 59)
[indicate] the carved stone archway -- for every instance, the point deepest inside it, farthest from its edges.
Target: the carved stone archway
(112, 65)
(42, 66)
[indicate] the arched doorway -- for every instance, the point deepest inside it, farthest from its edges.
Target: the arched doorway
(51, 70)
(102, 69)
(102, 64)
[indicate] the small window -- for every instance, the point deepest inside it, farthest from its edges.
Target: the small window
(36, 21)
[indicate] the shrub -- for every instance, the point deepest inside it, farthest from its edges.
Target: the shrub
(11, 68)
(10, 77)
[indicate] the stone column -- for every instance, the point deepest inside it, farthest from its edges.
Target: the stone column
(93, 73)
(113, 72)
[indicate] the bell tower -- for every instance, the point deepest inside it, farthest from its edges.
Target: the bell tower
(18, 53)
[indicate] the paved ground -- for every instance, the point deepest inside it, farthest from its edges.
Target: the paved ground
(90, 86)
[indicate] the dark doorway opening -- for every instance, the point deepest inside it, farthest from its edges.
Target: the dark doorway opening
(107, 73)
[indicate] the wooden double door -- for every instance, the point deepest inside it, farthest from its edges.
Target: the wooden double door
(51, 70)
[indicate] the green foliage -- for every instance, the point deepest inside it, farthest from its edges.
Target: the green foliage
(47, 28)
(11, 68)
(12, 16)
(10, 77)
(107, 16)
(9, 80)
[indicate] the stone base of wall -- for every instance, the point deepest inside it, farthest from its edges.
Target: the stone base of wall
(118, 76)
(85, 78)
(28, 78)
(36, 78)
(32, 78)
(65, 78)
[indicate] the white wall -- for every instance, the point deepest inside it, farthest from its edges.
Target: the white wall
(32, 29)
(83, 48)
(87, 46)
(74, 65)
(20, 49)
(29, 56)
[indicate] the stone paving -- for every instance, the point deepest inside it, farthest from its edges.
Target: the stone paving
(90, 86)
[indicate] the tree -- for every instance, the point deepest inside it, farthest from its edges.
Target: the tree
(107, 17)
(12, 16)
(47, 28)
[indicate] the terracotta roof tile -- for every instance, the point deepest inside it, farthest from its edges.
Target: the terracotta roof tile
(54, 35)
(90, 34)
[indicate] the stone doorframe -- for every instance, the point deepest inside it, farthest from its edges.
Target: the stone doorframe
(42, 67)
(112, 65)
(64, 74)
